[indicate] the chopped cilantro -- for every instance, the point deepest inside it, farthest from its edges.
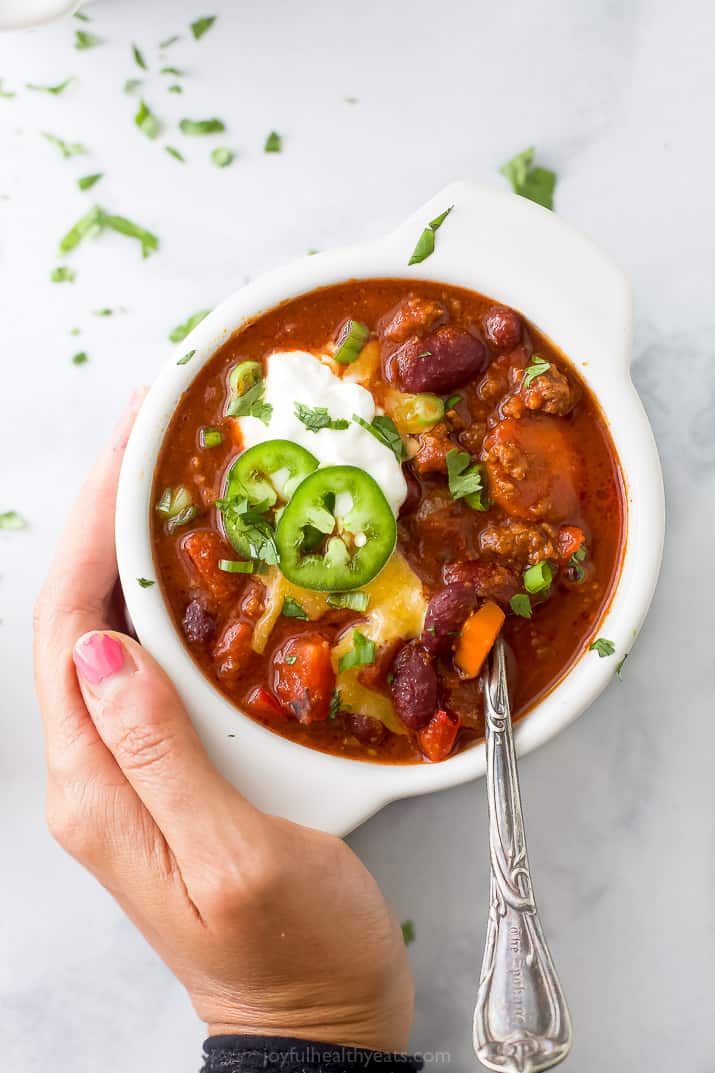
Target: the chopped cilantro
(10, 519)
(536, 367)
(521, 605)
(84, 40)
(317, 418)
(251, 404)
(385, 432)
(67, 149)
(182, 330)
(273, 143)
(88, 181)
(408, 931)
(361, 654)
(63, 274)
(222, 157)
(56, 90)
(80, 359)
(201, 126)
(146, 120)
(145, 583)
(603, 646)
(536, 184)
(200, 26)
(292, 609)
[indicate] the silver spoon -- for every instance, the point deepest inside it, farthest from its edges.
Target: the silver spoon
(521, 1021)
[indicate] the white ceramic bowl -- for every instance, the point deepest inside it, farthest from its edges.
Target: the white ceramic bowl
(518, 253)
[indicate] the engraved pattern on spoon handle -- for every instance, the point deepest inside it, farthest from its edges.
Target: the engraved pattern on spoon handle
(521, 1021)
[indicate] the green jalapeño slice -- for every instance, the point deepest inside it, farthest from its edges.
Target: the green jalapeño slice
(337, 532)
(270, 472)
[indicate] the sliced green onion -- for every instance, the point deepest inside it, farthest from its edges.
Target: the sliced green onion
(176, 88)
(138, 58)
(521, 605)
(415, 413)
(222, 157)
(88, 181)
(244, 375)
(425, 243)
(274, 143)
(163, 504)
(186, 358)
(201, 126)
(175, 153)
(538, 577)
(123, 226)
(351, 341)
(535, 183)
(233, 566)
(172, 71)
(90, 223)
(352, 601)
(176, 506)
(210, 437)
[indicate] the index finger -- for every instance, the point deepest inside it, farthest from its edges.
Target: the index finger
(75, 599)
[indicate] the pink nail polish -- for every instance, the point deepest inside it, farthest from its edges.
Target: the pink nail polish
(98, 656)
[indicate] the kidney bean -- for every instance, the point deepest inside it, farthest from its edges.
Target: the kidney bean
(414, 686)
(502, 327)
(492, 581)
(446, 613)
(367, 730)
(440, 362)
(414, 491)
(198, 624)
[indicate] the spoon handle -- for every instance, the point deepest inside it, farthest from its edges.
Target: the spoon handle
(521, 1021)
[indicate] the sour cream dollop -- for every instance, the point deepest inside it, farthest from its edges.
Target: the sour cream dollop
(296, 376)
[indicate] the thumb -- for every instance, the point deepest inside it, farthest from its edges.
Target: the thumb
(143, 722)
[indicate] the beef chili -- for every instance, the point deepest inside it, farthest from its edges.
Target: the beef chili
(360, 490)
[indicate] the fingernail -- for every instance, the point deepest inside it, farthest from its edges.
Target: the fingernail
(98, 656)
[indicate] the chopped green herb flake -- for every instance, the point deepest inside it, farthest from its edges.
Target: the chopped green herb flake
(292, 609)
(67, 149)
(222, 157)
(88, 181)
(84, 40)
(538, 577)
(169, 41)
(451, 402)
(536, 184)
(466, 479)
(408, 932)
(425, 243)
(63, 274)
(603, 646)
(336, 703)
(81, 16)
(75, 331)
(182, 330)
(145, 582)
(176, 71)
(176, 88)
(6, 94)
(90, 223)
(536, 367)
(249, 530)
(103, 312)
(201, 126)
(186, 358)
(138, 58)
(10, 519)
(251, 404)
(132, 83)
(80, 359)
(96, 220)
(361, 654)
(290, 660)
(56, 90)
(200, 26)
(175, 153)
(120, 224)
(274, 143)
(619, 666)
(521, 605)
(317, 418)
(385, 432)
(146, 120)
(351, 601)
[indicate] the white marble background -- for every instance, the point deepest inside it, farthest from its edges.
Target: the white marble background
(618, 97)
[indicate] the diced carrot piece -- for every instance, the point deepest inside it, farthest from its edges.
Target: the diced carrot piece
(437, 738)
(477, 637)
(204, 548)
(571, 538)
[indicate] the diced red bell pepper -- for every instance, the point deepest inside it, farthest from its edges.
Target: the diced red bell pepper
(437, 739)
(263, 704)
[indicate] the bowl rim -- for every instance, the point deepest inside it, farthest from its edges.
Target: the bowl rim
(578, 297)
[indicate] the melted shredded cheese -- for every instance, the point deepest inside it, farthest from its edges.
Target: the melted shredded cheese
(396, 612)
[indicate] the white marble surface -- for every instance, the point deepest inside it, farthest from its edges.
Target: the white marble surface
(619, 99)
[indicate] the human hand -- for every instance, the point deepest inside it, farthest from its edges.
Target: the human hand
(273, 928)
